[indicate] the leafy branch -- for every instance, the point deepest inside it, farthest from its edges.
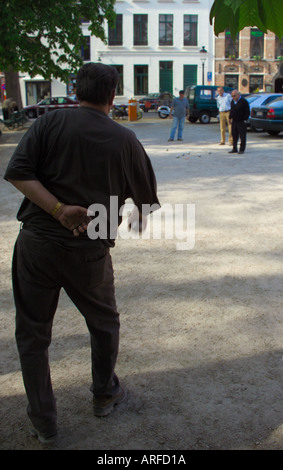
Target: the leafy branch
(235, 15)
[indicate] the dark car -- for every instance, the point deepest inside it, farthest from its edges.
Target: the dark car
(49, 104)
(202, 102)
(260, 99)
(269, 118)
(154, 100)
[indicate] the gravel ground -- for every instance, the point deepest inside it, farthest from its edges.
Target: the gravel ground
(201, 329)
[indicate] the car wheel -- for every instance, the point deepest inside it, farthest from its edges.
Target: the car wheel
(163, 115)
(204, 118)
(192, 119)
(273, 132)
(31, 114)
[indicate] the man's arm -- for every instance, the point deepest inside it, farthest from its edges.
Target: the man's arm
(74, 218)
(247, 110)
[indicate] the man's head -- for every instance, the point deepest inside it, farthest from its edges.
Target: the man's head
(235, 95)
(220, 90)
(96, 83)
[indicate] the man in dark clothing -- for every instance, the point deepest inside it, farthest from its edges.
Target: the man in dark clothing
(69, 160)
(239, 114)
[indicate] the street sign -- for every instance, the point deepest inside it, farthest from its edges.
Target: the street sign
(209, 76)
(3, 86)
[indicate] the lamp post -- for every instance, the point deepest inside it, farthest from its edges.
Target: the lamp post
(203, 53)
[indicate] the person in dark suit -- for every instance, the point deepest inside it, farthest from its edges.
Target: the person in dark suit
(239, 114)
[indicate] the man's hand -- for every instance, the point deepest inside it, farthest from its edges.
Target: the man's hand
(73, 218)
(136, 221)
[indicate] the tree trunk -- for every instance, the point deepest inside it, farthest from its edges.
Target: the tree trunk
(13, 87)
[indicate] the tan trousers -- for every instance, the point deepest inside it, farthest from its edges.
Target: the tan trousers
(224, 119)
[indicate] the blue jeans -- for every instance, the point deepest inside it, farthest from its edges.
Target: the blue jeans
(177, 122)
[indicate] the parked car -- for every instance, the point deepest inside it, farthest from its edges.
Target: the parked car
(269, 118)
(154, 100)
(202, 102)
(49, 104)
(260, 99)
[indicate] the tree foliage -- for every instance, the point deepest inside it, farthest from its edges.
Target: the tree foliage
(237, 14)
(45, 37)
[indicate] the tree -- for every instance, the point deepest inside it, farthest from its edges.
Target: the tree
(45, 37)
(235, 15)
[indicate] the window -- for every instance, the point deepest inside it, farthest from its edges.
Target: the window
(140, 30)
(120, 86)
(256, 83)
(208, 94)
(166, 30)
(85, 49)
(190, 30)
(257, 43)
(232, 81)
(141, 79)
(115, 35)
(278, 47)
(231, 47)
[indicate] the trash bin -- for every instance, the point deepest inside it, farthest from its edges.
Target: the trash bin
(132, 110)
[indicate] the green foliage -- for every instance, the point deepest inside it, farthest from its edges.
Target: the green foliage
(237, 14)
(45, 37)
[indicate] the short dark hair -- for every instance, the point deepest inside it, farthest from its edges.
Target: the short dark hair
(182, 92)
(95, 83)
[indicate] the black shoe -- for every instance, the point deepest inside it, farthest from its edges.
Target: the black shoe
(233, 151)
(170, 140)
(241, 151)
(102, 406)
(44, 437)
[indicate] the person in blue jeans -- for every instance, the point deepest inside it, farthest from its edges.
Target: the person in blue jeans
(180, 106)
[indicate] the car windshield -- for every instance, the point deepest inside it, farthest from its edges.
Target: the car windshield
(46, 101)
(251, 99)
(280, 98)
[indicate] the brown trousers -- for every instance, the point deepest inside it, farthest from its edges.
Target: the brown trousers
(40, 269)
(224, 120)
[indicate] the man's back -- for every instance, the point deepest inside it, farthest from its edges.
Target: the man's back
(82, 157)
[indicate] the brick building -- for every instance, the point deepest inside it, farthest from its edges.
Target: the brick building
(252, 62)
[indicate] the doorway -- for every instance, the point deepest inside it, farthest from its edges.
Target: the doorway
(166, 76)
(36, 91)
(278, 85)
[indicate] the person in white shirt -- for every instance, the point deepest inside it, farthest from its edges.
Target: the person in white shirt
(224, 105)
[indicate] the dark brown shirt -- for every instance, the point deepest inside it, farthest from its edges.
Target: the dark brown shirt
(83, 158)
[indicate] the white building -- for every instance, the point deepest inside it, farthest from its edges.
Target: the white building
(155, 46)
